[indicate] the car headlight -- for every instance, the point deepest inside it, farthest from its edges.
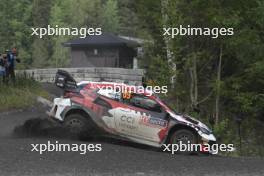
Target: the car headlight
(206, 131)
(205, 127)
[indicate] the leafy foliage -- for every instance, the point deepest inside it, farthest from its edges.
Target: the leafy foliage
(200, 79)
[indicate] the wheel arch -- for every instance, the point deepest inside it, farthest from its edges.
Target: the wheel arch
(76, 110)
(177, 127)
(93, 126)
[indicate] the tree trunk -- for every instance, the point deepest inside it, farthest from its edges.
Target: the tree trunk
(193, 82)
(218, 86)
(164, 9)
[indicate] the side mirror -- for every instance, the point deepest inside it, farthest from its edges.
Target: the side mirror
(153, 106)
(157, 108)
(167, 116)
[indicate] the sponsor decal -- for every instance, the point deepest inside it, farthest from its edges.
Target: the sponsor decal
(127, 119)
(127, 122)
(152, 121)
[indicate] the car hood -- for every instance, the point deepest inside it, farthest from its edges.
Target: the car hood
(190, 121)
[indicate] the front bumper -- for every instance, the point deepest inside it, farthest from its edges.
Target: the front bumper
(207, 137)
(207, 140)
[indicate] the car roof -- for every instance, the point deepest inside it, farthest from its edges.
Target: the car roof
(97, 85)
(92, 84)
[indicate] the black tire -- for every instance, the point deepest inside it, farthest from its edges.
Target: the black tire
(77, 124)
(186, 137)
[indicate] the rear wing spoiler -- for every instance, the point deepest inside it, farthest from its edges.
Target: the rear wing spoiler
(65, 81)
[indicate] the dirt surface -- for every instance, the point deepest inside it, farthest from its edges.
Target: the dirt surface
(116, 157)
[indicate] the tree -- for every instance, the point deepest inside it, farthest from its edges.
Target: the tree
(15, 29)
(110, 18)
(41, 47)
(63, 14)
(214, 76)
(128, 19)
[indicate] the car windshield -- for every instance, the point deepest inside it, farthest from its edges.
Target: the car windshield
(164, 101)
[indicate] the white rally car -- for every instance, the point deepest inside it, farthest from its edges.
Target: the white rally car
(93, 108)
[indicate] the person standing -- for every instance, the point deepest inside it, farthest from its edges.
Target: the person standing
(11, 58)
(2, 68)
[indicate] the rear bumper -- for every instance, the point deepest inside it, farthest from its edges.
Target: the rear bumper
(59, 105)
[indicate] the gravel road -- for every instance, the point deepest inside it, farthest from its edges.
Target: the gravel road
(116, 157)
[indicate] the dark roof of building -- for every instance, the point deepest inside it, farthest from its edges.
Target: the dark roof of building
(106, 39)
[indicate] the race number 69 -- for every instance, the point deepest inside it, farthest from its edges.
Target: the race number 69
(126, 95)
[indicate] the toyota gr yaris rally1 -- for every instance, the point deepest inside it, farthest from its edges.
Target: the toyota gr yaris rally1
(93, 108)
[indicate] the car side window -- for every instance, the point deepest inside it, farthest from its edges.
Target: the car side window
(144, 102)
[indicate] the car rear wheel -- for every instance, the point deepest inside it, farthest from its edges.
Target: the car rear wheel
(77, 125)
(184, 136)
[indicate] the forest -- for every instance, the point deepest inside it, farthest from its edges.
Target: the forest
(218, 80)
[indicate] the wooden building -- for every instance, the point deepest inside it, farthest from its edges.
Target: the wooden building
(106, 50)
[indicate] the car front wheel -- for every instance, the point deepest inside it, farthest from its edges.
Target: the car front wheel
(184, 138)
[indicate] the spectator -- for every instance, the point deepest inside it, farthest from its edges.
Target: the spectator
(3, 66)
(11, 58)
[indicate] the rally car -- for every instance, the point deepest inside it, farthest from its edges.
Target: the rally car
(106, 108)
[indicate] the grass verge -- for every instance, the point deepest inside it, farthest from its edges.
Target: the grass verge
(21, 94)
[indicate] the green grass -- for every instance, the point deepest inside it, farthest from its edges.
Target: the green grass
(20, 95)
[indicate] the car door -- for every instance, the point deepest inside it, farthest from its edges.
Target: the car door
(120, 118)
(141, 117)
(125, 120)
